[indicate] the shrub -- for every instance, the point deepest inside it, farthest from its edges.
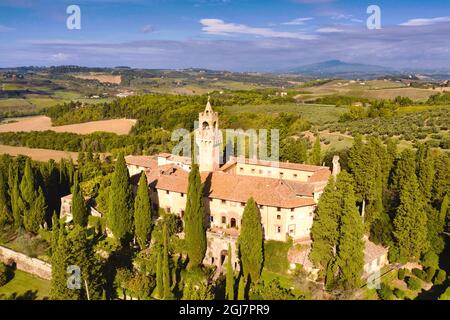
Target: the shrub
(439, 277)
(5, 274)
(401, 274)
(419, 274)
(430, 259)
(414, 284)
(430, 274)
(275, 256)
(385, 292)
(399, 293)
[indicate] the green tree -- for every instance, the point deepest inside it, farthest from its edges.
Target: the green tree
(159, 273)
(58, 285)
(5, 205)
(250, 242)
(165, 266)
(79, 211)
(294, 150)
(316, 154)
(229, 291)
(445, 213)
(324, 230)
(120, 213)
(350, 247)
(410, 222)
(16, 204)
(36, 216)
(142, 213)
(194, 220)
(242, 288)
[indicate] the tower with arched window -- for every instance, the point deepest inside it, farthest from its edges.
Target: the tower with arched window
(209, 140)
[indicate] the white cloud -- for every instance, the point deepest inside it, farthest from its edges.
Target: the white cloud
(5, 28)
(147, 28)
(329, 30)
(424, 21)
(59, 56)
(220, 27)
(298, 21)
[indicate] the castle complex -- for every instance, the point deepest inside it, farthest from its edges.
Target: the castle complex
(286, 194)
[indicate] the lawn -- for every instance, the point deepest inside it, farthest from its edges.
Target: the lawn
(26, 286)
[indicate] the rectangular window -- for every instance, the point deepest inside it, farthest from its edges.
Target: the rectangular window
(278, 229)
(253, 170)
(241, 169)
(167, 191)
(224, 220)
(295, 176)
(278, 209)
(224, 202)
(182, 195)
(211, 218)
(278, 217)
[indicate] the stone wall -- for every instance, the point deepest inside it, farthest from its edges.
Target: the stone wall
(23, 262)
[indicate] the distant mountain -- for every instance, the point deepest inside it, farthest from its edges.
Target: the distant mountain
(337, 68)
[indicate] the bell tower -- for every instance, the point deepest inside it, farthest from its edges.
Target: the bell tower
(209, 140)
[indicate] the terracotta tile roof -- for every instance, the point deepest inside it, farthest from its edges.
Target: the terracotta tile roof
(218, 185)
(321, 175)
(141, 161)
(283, 165)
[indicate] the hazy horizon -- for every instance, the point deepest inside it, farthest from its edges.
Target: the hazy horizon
(244, 36)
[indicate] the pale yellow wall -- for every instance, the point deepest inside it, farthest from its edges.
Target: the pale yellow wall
(301, 220)
(272, 172)
(133, 169)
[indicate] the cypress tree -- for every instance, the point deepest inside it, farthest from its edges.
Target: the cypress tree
(28, 186)
(441, 184)
(5, 205)
(16, 204)
(324, 230)
(159, 273)
(55, 232)
(445, 213)
(36, 215)
(350, 248)
(194, 220)
(79, 211)
(142, 213)
(120, 213)
(242, 287)
(82, 255)
(404, 169)
(165, 265)
(58, 285)
(316, 152)
(229, 291)
(250, 242)
(410, 222)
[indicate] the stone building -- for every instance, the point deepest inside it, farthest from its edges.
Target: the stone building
(286, 193)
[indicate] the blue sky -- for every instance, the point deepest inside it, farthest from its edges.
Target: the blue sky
(239, 35)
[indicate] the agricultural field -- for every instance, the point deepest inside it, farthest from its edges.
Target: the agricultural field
(43, 123)
(37, 154)
(372, 89)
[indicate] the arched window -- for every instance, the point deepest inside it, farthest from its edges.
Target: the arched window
(205, 125)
